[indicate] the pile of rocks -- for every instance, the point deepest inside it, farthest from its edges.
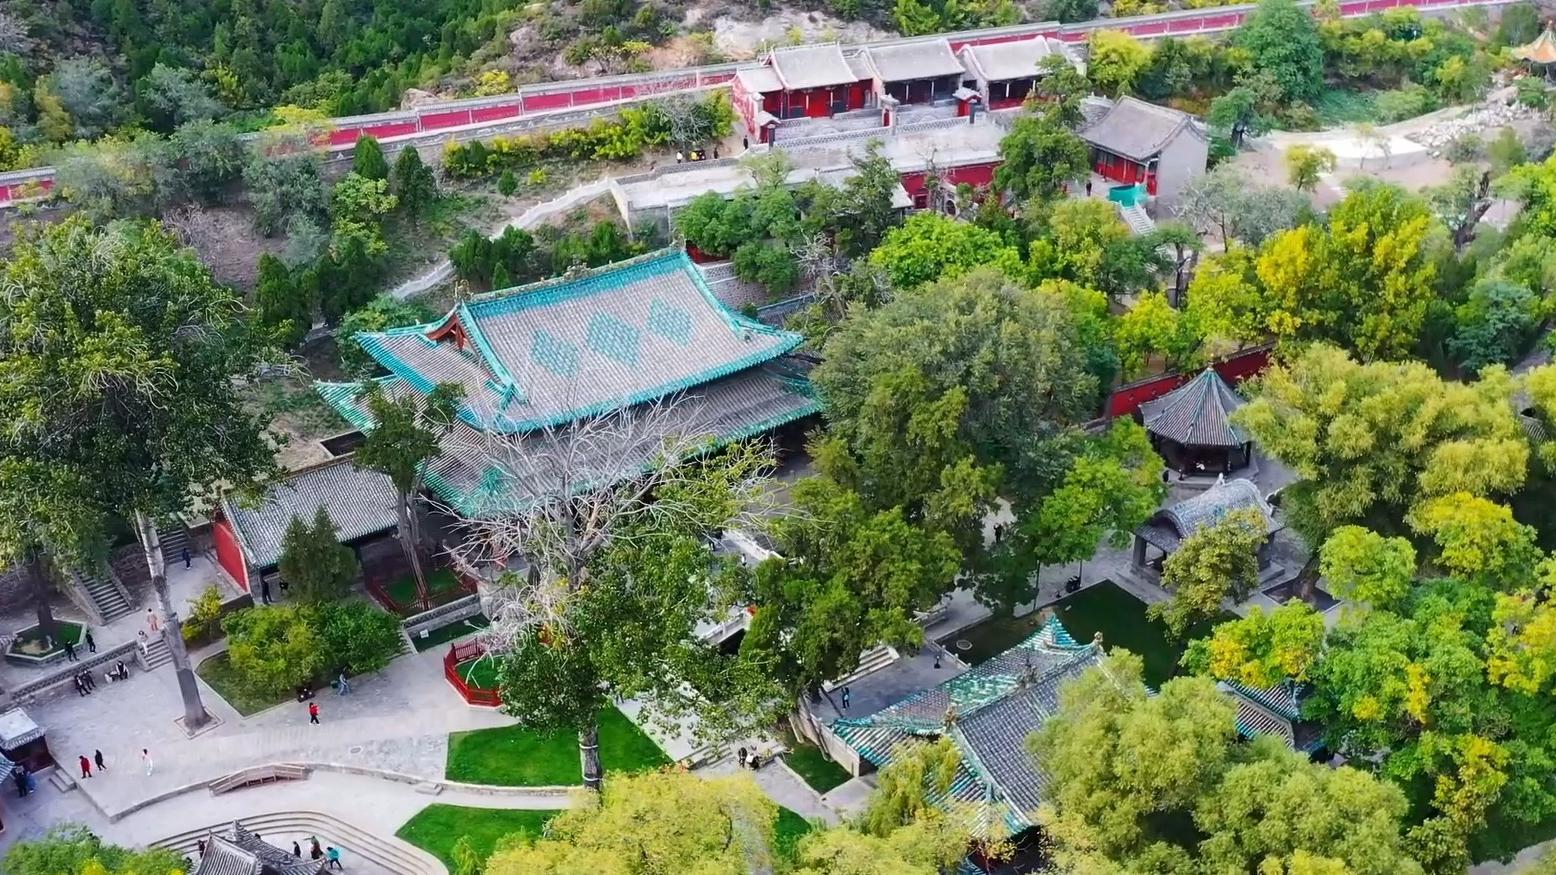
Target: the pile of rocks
(1489, 116)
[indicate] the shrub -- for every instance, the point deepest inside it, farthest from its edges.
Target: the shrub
(1407, 101)
(273, 649)
(205, 613)
(358, 637)
(507, 184)
(1464, 149)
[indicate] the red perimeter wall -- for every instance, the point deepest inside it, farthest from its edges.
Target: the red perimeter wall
(1235, 368)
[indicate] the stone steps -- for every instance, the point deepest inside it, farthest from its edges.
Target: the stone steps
(158, 654)
(354, 842)
(173, 539)
(1137, 219)
(109, 600)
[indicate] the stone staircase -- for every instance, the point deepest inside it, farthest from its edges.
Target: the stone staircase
(874, 659)
(158, 654)
(356, 845)
(1137, 219)
(104, 592)
(174, 541)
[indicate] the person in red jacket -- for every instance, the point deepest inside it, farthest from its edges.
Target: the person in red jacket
(313, 713)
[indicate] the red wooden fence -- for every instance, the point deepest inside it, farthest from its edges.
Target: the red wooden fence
(464, 652)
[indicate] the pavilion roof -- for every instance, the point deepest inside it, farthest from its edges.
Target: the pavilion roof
(1541, 51)
(1170, 526)
(359, 502)
(552, 352)
(1197, 414)
(1137, 130)
(987, 711)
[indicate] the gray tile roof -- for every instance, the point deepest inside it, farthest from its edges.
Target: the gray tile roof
(556, 351)
(1170, 526)
(1197, 414)
(1016, 59)
(812, 67)
(921, 60)
(988, 710)
(1138, 130)
(361, 503)
(760, 80)
(239, 852)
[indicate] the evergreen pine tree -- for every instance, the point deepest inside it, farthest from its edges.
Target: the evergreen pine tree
(414, 183)
(284, 306)
(316, 566)
(368, 159)
(507, 184)
(501, 279)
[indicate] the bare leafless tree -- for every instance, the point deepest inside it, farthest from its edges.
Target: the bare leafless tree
(564, 494)
(14, 37)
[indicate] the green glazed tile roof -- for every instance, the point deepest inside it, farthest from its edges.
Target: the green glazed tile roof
(996, 705)
(556, 351)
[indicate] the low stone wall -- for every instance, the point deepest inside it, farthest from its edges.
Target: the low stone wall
(443, 615)
(98, 662)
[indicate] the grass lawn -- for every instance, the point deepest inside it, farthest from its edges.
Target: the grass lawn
(217, 671)
(437, 827)
(479, 673)
(1103, 607)
(440, 581)
(512, 756)
(1337, 107)
(787, 832)
(812, 764)
(450, 632)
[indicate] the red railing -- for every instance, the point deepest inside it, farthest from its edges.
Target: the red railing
(377, 577)
(464, 652)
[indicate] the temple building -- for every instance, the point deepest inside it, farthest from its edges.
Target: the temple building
(239, 852)
(988, 712)
(1540, 53)
(534, 360)
(1138, 142)
(248, 536)
(1192, 428)
(1170, 527)
(919, 72)
(1004, 74)
(1277, 712)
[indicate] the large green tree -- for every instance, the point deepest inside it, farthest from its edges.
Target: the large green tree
(1283, 37)
(944, 393)
(314, 563)
(1040, 157)
(406, 436)
(119, 357)
(931, 246)
(1369, 441)
(72, 848)
(850, 578)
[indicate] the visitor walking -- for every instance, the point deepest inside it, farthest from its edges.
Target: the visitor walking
(145, 757)
(153, 623)
(143, 642)
(186, 557)
(97, 756)
(86, 767)
(70, 650)
(297, 851)
(80, 687)
(313, 713)
(332, 856)
(742, 758)
(91, 645)
(845, 698)
(342, 686)
(314, 851)
(1088, 188)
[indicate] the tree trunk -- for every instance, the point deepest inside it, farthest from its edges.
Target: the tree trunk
(412, 550)
(37, 575)
(589, 755)
(172, 630)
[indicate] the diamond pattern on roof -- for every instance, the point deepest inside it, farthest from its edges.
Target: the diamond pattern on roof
(554, 354)
(670, 322)
(614, 338)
